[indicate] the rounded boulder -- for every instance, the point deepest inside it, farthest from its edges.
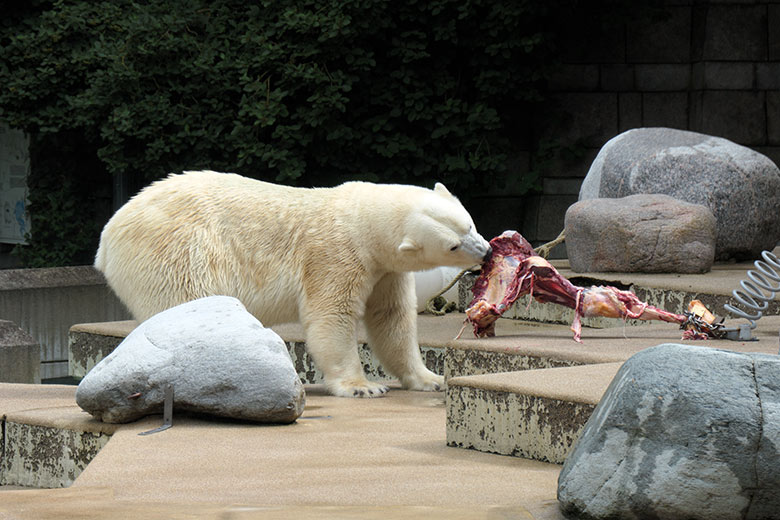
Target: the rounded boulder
(682, 433)
(640, 233)
(739, 185)
(218, 358)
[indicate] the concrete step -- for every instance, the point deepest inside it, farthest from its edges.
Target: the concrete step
(47, 441)
(518, 345)
(91, 342)
(541, 420)
(534, 414)
(381, 458)
(547, 385)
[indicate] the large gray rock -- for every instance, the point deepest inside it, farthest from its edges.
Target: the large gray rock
(219, 358)
(740, 186)
(683, 432)
(640, 233)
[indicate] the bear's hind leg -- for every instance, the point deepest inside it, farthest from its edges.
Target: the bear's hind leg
(391, 323)
(331, 342)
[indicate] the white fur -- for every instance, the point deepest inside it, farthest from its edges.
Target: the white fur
(326, 257)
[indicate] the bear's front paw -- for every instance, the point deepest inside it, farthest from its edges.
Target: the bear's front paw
(357, 388)
(426, 381)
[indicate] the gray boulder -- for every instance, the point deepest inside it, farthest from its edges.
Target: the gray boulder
(683, 432)
(640, 233)
(219, 358)
(740, 186)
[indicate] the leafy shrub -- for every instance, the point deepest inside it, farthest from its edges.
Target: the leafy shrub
(298, 92)
(70, 199)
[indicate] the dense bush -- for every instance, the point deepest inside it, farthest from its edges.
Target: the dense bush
(297, 92)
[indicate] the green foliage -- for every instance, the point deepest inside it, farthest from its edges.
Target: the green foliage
(57, 224)
(70, 202)
(297, 92)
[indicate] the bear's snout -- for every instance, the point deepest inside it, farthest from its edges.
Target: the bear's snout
(487, 255)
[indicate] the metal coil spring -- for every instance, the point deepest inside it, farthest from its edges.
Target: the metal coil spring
(752, 295)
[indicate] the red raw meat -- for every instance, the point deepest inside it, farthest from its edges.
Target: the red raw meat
(514, 269)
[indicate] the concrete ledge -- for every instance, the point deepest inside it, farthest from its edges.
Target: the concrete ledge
(50, 277)
(88, 343)
(539, 346)
(310, 374)
(474, 357)
(536, 414)
(47, 440)
(463, 360)
(46, 302)
(343, 458)
(20, 355)
(539, 413)
(43, 457)
(518, 345)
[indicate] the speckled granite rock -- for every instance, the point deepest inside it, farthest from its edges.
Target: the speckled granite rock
(220, 360)
(740, 186)
(640, 233)
(682, 432)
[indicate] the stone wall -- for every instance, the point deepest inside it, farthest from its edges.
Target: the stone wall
(706, 66)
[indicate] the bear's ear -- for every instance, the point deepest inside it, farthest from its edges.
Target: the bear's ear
(441, 189)
(408, 245)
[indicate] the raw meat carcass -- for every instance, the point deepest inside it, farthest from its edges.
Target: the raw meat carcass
(514, 269)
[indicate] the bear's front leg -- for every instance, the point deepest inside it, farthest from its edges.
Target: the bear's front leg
(391, 324)
(332, 343)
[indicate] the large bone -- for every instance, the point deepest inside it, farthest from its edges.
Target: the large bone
(515, 269)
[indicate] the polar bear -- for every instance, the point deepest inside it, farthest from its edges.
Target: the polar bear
(327, 257)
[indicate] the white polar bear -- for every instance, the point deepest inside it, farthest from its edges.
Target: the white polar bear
(326, 257)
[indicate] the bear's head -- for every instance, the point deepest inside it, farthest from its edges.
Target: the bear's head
(441, 232)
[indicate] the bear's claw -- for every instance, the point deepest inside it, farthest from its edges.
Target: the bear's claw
(426, 382)
(368, 393)
(365, 389)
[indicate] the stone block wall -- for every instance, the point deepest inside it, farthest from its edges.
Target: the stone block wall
(707, 66)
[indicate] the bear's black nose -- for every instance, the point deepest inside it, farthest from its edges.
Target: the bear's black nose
(487, 255)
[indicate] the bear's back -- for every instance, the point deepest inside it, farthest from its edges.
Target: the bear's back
(203, 233)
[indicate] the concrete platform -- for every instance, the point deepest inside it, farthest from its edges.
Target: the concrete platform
(386, 457)
(521, 346)
(347, 458)
(540, 413)
(534, 414)
(344, 458)
(89, 343)
(47, 440)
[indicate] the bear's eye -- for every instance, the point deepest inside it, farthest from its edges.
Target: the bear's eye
(454, 248)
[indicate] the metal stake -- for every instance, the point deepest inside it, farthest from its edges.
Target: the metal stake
(167, 412)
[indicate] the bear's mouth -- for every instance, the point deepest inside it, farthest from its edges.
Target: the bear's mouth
(514, 269)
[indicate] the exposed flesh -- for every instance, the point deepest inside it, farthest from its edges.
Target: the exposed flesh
(515, 269)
